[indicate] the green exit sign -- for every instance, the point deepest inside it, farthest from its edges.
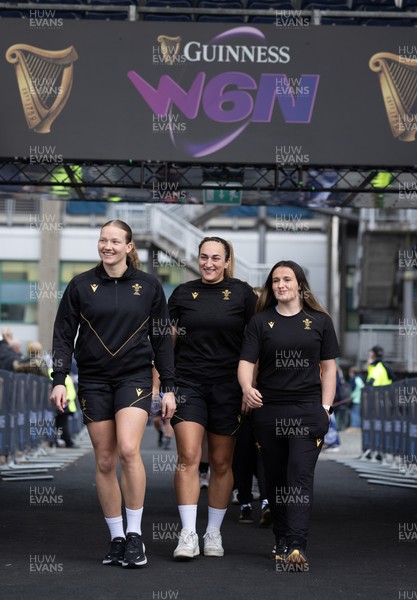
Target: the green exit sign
(222, 196)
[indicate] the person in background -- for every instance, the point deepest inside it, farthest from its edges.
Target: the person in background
(204, 466)
(163, 426)
(247, 468)
(357, 384)
(342, 400)
(11, 358)
(379, 373)
(62, 434)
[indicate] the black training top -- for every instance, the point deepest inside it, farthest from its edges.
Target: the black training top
(210, 321)
(289, 350)
(124, 326)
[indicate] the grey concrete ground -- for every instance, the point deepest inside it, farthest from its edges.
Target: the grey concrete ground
(54, 551)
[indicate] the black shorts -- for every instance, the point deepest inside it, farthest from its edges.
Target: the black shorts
(100, 400)
(215, 406)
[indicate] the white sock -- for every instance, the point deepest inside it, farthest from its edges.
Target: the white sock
(115, 525)
(215, 518)
(134, 520)
(188, 516)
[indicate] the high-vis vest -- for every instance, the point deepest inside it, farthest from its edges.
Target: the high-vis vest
(71, 392)
(379, 374)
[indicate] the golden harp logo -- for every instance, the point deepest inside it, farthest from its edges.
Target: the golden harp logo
(170, 46)
(44, 78)
(398, 78)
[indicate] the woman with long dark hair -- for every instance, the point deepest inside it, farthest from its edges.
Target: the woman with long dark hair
(210, 315)
(292, 339)
(119, 313)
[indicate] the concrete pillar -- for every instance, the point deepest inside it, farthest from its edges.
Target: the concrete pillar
(50, 226)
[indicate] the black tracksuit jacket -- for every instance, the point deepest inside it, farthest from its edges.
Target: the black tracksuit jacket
(123, 327)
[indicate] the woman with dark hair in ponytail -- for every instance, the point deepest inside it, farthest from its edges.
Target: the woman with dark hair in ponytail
(293, 342)
(121, 316)
(210, 315)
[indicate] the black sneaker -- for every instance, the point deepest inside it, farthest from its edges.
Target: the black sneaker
(246, 515)
(266, 517)
(134, 551)
(296, 554)
(116, 552)
(280, 549)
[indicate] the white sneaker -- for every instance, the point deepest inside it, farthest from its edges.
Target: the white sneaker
(188, 546)
(213, 543)
(204, 480)
(234, 497)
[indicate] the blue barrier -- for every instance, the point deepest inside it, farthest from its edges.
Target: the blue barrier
(27, 417)
(389, 420)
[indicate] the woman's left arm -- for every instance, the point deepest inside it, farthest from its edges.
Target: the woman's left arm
(328, 381)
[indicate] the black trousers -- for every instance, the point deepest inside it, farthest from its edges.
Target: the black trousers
(291, 438)
(247, 461)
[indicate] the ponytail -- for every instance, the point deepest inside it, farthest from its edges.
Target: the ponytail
(230, 269)
(133, 257)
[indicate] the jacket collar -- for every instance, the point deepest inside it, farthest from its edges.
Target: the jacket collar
(102, 273)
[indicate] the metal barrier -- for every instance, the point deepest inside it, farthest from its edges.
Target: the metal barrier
(26, 415)
(389, 420)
